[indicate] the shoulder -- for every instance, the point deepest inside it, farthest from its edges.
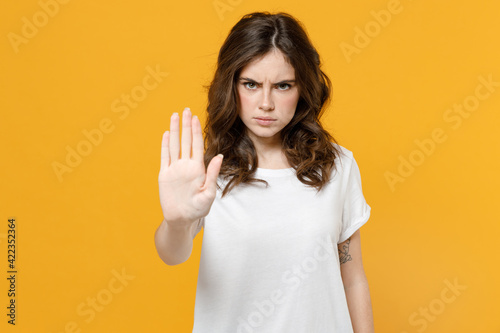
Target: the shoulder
(344, 152)
(344, 158)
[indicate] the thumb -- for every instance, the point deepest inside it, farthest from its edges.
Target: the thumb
(213, 170)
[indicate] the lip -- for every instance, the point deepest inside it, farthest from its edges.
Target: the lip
(265, 118)
(264, 121)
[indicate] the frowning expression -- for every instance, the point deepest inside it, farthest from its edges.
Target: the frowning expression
(268, 97)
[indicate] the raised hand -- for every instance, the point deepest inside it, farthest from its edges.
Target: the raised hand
(186, 190)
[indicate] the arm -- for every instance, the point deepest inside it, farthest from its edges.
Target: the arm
(174, 244)
(187, 191)
(356, 284)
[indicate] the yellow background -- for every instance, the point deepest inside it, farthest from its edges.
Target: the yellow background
(75, 232)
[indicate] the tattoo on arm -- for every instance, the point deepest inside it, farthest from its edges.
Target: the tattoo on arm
(344, 255)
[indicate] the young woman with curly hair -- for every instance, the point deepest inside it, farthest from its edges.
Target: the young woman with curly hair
(279, 199)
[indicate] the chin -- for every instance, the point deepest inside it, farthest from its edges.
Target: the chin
(263, 134)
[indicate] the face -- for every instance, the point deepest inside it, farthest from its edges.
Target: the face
(268, 97)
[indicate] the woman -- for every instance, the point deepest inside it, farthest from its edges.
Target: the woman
(277, 194)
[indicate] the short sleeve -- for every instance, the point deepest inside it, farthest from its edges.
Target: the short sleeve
(356, 211)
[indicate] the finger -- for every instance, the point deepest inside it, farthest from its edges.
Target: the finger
(165, 158)
(212, 173)
(198, 146)
(186, 134)
(174, 137)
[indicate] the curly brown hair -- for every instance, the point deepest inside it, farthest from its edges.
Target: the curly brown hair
(306, 144)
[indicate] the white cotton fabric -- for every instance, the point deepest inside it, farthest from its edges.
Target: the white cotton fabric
(269, 259)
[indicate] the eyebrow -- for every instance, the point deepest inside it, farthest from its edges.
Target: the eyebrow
(260, 83)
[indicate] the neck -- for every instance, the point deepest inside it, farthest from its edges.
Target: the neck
(269, 153)
(271, 158)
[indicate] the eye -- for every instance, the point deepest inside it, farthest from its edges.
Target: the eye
(245, 84)
(286, 85)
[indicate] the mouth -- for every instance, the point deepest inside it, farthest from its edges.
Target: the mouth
(264, 120)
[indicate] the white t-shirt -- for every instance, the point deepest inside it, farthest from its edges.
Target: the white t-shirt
(269, 259)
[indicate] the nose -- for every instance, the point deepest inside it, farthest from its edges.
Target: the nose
(267, 102)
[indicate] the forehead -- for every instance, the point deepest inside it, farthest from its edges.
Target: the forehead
(271, 66)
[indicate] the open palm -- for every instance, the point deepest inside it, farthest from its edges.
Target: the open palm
(186, 190)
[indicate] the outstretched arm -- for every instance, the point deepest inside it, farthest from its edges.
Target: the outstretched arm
(187, 191)
(356, 284)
